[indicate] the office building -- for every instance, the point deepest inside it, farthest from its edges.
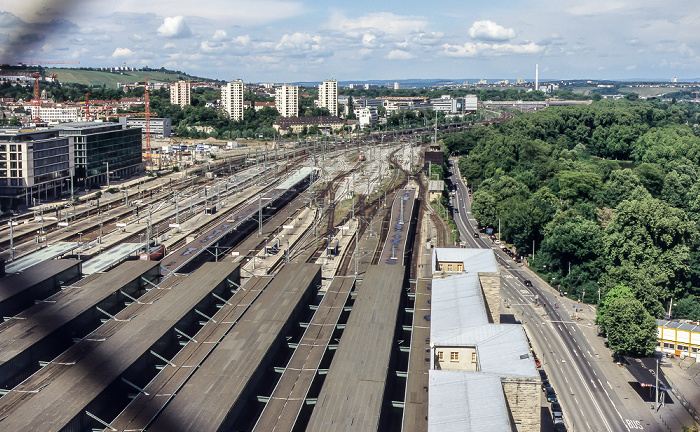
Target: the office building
(180, 93)
(158, 127)
(34, 166)
(98, 146)
(328, 96)
(287, 100)
(232, 99)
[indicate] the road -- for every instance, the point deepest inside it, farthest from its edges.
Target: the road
(583, 376)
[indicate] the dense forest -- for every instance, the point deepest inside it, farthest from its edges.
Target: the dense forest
(607, 196)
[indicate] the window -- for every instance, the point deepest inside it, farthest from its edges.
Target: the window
(683, 348)
(693, 350)
(454, 356)
(473, 357)
(669, 345)
(449, 267)
(440, 356)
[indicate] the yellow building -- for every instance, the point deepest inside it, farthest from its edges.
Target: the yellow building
(681, 338)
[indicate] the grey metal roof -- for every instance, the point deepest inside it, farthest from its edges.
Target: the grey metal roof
(45, 254)
(678, 325)
(457, 303)
(111, 257)
(462, 401)
(475, 260)
(436, 185)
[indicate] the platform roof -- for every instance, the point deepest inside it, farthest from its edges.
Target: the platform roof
(111, 257)
(463, 401)
(295, 178)
(457, 304)
(221, 385)
(13, 284)
(45, 254)
(352, 397)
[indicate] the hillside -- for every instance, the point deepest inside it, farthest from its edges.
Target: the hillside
(111, 79)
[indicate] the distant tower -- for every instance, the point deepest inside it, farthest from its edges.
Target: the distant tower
(537, 77)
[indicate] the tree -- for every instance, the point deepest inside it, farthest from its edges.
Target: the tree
(687, 308)
(630, 329)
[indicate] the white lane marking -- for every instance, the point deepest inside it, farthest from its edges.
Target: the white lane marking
(593, 382)
(609, 385)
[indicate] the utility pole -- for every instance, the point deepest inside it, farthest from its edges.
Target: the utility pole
(357, 250)
(260, 214)
(12, 240)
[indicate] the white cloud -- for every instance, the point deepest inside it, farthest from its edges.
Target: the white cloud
(379, 22)
(299, 41)
(490, 31)
(174, 27)
(122, 53)
(220, 36)
(399, 55)
(481, 49)
(631, 67)
(369, 40)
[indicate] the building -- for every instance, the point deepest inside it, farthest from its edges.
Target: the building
(482, 374)
(367, 116)
(232, 99)
(397, 86)
(99, 147)
(470, 103)
(435, 189)
(34, 165)
(446, 104)
(287, 100)
(262, 105)
(680, 338)
(158, 127)
(326, 124)
(328, 96)
(180, 93)
(59, 113)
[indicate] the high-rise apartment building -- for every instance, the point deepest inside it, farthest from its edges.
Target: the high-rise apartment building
(180, 93)
(287, 100)
(232, 99)
(328, 96)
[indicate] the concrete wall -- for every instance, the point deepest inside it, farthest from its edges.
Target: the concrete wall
(491, 287)
(523, 398)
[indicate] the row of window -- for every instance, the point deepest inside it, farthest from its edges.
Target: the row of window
(13, 173)
(13, 147)
(454, 356)
(681, 348)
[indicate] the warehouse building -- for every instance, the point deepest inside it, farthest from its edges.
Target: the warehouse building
(679, 337)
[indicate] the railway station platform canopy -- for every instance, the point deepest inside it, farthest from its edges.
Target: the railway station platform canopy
(295, 178)
(471, 260)
(54, 251)
(111, 257)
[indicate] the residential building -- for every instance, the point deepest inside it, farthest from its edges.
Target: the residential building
(34, 165)
(326, 124)
(679, 337)
(232, 99)
(99, 147)
(482, 374)
(158, 127)
(180, 93)
(287, 100)
(470, 102)
(261, 105)
(328, 96)
(397, 86)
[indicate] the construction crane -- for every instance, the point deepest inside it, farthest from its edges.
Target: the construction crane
(87, 107)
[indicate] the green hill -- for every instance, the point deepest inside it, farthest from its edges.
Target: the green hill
(111, 79)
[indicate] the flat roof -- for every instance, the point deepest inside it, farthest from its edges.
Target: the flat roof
(108, 352)
(45, 254)
(400, 227)
(295, 178)
(463, 401)
(678, 325)
(288, 397)
(15, 283)
(474, 260)
(220, 388)
(42, 319)
(352, 396)
(110, 257)
(457, 303)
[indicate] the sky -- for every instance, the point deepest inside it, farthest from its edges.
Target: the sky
(311, 40)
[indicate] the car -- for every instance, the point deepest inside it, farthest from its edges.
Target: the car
(560, 427)
(551, 395)
(558, 418)
(556, 410)
(476, 235)
(527, 283)
(545, 383)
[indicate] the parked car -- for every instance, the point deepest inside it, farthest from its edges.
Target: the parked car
(545, 383)
(556, 410)
(558, 418)
(551, 395)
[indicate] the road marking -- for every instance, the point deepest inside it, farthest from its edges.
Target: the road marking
(609, 384)
(634, 424)
(593, 382)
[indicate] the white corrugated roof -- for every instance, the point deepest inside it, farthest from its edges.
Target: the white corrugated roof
(475, 260)
(457, 303)
(466, 401)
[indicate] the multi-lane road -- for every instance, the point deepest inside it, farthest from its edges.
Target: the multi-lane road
(581, 371)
